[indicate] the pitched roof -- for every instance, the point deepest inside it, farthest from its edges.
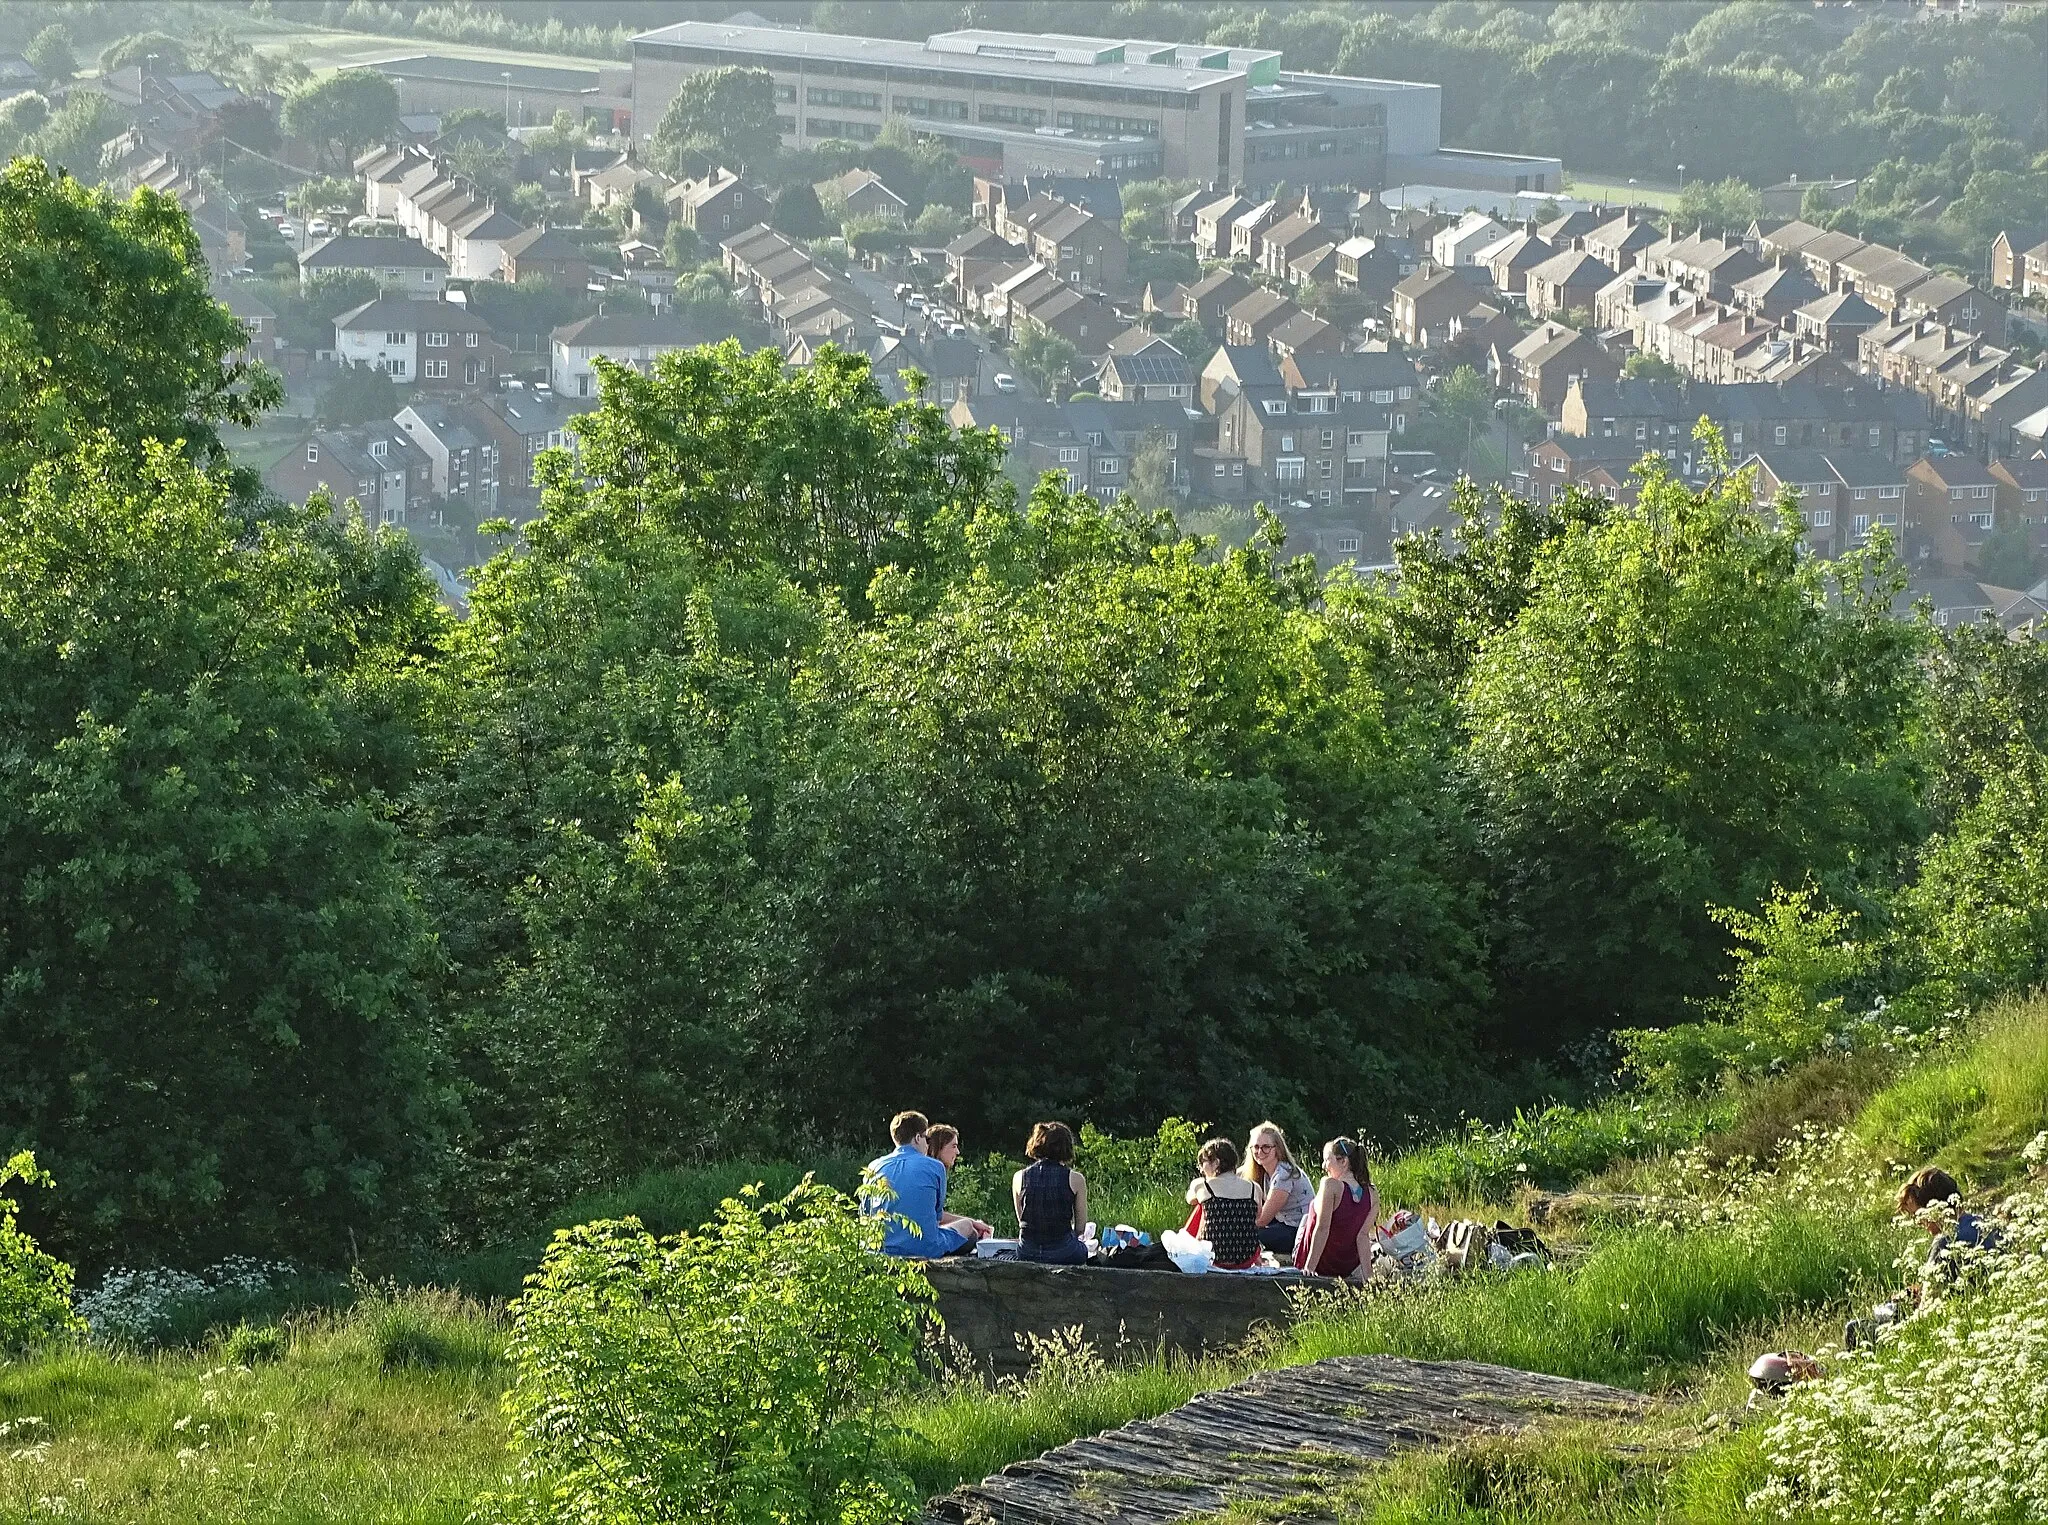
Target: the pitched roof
(1840, 308)
(607, 330)
(1573, 267)
(405, 314)
(1158, 365)
(359, 251)
(545, 243)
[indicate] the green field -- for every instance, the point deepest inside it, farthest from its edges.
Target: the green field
(388, 1409)
(1621, 192)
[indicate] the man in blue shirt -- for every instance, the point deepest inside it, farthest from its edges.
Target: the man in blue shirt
(919, 1227)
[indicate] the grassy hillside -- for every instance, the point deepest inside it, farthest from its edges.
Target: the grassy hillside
(388, 1408)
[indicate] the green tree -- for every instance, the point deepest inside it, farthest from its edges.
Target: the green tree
(1721, 206)
(1644, 366)
(1045, 357)
(1193, 341)
(2008, 559)
(720, 117)
(1151, 484)
(141, 48)
(210, 957)
(558, 141)
(50, 55)
(70, 139)
(1660, 729)
(342, 113)
(107, 323)
(796, 212)
(35, 1287)
(359, 395)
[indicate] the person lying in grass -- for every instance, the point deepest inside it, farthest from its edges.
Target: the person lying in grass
(1226, 1207)
(1269, 1165)
(1935, 1187)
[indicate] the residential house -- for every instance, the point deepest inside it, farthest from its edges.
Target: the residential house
(1251, 319)
(1182, 214)
(2021, 495)
(381, 170)
(1952, 509)
(1835, 322)
(1378, 378)
(950, 368)
(1824, 255)
(973, 255)
(1541, 367)
(1508, 260)
(374, 464)
(396, 264)
(2018, 265)
(1776, 292)
(742, 252)
(1619, 241)
(1978, 392)
(1566, 282)
(1304, 333)
(1208, 299)
(1372, 268)
(1952, 300)
(476, 243)
(1719, 351)
(1234, 369)
(1567, 229)
(1307, 449)
(1563, 461)
(1213, 223)
(563, 261)
(1425, 302)
(616, 184)
(1618, 305)
(1288, 239)
(441, 345)
(1142, 367)
(1460, 243)
(1248, 232)
(463, 457)
(1661, 416)
(1076, 245)
(1082, 321)
(520, 425)
(717, 205)
(863, 193)
(1317, 263)
(1880, 274)
(1845, 493)
(257, 320)
(1016, 292)
(632, 340)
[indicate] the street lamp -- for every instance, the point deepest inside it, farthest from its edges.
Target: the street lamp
(1681, 177)
(506, 76)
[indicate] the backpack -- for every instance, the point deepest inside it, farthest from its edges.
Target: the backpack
(1465, 1245)
(1518, 1241)
(1139, 1257)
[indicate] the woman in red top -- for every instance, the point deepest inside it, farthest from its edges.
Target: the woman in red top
(1337, 1239)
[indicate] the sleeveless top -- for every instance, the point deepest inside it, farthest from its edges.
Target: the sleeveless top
(1047, 1216)
(1356, 1207)
(1231, 1225)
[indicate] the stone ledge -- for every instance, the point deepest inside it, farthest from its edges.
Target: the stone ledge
(987, 1305)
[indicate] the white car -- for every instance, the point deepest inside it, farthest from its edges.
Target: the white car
(918, 304)
(1003, 381)
(319, 227)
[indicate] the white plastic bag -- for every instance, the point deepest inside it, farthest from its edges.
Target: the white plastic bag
(1194, 1256)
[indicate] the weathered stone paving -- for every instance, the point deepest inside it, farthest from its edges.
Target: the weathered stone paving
(1278, 1435)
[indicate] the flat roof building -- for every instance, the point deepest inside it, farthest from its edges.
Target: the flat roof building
(1009, 102)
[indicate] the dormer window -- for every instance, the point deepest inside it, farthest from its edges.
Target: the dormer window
(1275, 406)
(312, 453)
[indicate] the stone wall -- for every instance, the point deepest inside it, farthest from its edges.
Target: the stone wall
(988, 1305)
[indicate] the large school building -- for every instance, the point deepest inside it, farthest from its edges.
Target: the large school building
(1011, 103)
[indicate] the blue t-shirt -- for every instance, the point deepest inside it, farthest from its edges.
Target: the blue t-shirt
(919, 1182)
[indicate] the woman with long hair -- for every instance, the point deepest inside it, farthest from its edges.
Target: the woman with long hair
(1051, 1198)
(1337, 1239)
(1269, 1165)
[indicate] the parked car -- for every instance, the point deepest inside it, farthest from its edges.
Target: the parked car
(902, 290)
(1003, 381)
(319, 227)
(918, 304)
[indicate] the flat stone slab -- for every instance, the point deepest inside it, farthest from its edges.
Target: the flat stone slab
(1279, 1435)
(989, 1305)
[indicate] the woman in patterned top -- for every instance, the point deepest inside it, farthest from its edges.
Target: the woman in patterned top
(1227, 1206)
(1269, 1165)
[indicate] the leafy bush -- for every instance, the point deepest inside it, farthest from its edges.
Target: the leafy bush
(254, 1344)
(1974, 1104)
(1793, 963)
(423, 1328)
(733, 1375)
(35, 1287)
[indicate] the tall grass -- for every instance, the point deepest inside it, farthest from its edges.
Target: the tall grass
(1975, 1106)
(1638, 1310)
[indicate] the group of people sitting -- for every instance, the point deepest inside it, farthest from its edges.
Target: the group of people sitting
(1265, 1204)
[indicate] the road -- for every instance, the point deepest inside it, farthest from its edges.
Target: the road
(880, 295)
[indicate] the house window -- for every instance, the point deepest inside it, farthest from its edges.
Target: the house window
(436, 370)
(394, 338)
(389, 514)
(471, 339)
(1891, 492)
(582, 386)
(434, 340)
(1275, 406)
(1862, 493)
(1323, 497)
(1069, 454)
(1172, 440)
(312, 452)
(1780, 433)
(1347, 545)
(1322, 405)
(1383, 395)
(1980, 492)
(1735, 434)
(1108, 466)
(1642, 432)
(1220, 469)
(1980, 521)
(1287, 442)
(1329, 438)
(1863, 524)
(1404, 393)
(1237, 468)
(1293, 470)
(1821, 518)
(1354, 438)
(1955, 494)
(469, 373)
